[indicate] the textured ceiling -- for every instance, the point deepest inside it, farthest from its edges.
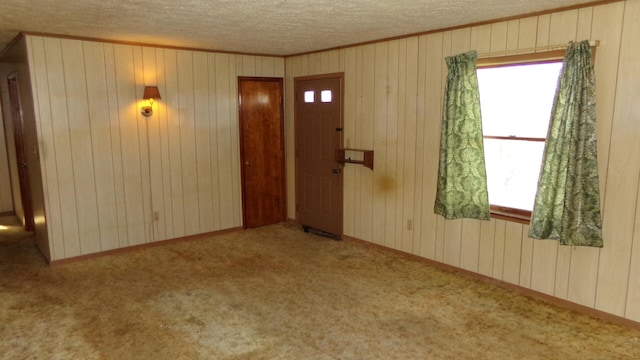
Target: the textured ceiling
(277, 27)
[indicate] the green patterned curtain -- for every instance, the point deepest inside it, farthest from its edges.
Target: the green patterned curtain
(462, 177)
(567, 205)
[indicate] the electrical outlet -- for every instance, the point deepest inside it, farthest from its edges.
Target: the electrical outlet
(156, 215)
(410, 225)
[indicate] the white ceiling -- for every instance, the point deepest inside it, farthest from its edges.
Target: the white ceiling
(277, 27)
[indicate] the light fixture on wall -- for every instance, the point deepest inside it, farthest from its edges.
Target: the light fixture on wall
(150, 93)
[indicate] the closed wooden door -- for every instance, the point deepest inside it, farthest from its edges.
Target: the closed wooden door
(23, 171)
(262, 151)
(318, 109)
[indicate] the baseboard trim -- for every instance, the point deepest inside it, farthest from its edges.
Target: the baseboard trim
(566, 304)
(142, 246)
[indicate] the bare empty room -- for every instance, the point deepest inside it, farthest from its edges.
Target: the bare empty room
(277, 180)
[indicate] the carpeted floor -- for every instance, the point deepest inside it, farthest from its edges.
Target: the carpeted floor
(277, 293)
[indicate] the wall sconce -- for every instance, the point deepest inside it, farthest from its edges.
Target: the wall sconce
(150, 93)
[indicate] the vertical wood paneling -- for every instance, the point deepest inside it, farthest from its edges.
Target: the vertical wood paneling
(512, 252)
(173, 170)
(62, 144)
(150, 74)
(143, 150)
(234, 151)
(487, 246)
(164, 201)
(212, 156)
(622, 185)
(107, 169)
(367, 127)
(382, 181)
(349, 172)
(498, 249)
(47, 145)
(495, 248)
(408, 200)
(358, 140)
(202, 142)
(392, 182)
(431, 107)
(100, 128)
(186, 119)
(224, 139)
(99, 175)
(116, 148)
(130, 143)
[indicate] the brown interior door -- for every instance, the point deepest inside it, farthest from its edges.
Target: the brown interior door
(18, 134)
(318, 109)
(262, 151)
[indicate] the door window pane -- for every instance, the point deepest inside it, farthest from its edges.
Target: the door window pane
(326, 96)
(309, 96)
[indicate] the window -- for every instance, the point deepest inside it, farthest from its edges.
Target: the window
(325, 96)
(309, 96)
(516, 102)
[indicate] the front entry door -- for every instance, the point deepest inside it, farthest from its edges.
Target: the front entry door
(262, 151)
(318, 109)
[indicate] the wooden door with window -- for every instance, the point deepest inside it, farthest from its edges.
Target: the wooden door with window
(262, 151)
(318, 122)
(18, 135)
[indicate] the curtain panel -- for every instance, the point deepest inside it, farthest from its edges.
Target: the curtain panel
(567, 203)
(462, 179)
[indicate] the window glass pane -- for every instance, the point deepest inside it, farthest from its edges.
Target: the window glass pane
(325, 96)
(517, 100)
(513, 167)
(309, 96)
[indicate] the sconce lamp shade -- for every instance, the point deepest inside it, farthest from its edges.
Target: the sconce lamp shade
(150, 93)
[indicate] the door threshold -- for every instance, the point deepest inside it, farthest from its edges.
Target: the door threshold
(309, 229)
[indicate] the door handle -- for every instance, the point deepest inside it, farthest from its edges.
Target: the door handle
(336, 171)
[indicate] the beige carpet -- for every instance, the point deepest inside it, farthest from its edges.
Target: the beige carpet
(277, 293)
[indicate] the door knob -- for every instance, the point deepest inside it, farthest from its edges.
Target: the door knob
(336, 171)
(248, 163)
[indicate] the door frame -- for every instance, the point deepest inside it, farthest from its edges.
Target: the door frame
(296, 126)
(19, 144)
(282, 145)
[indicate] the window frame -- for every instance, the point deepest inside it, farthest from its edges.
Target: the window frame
(554, 56)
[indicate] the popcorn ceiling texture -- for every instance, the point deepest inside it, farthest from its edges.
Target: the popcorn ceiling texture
(276, 27)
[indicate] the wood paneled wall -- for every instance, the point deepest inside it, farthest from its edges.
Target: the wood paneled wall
(108, 170)
(393, 96)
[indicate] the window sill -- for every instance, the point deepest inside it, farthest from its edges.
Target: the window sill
(509, 214)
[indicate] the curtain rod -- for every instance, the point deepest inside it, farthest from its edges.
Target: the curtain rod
(592, 43)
